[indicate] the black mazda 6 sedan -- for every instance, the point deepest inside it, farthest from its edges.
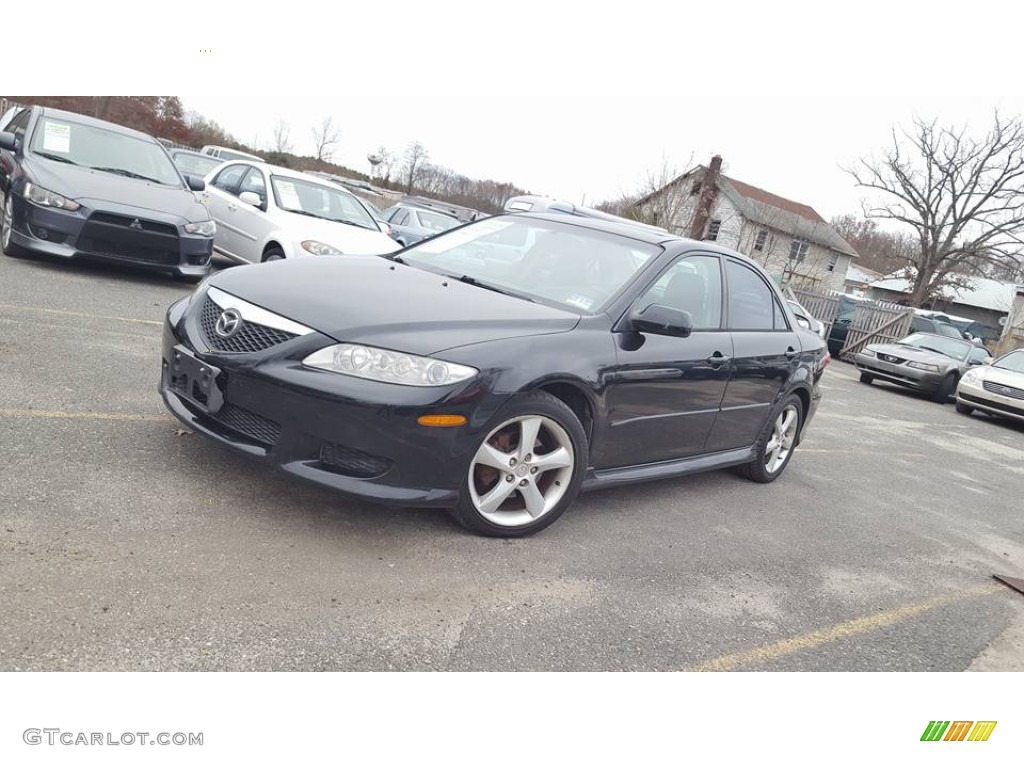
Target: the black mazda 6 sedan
(499, 368)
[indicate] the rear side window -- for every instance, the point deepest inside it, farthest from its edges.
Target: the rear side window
(752, 302)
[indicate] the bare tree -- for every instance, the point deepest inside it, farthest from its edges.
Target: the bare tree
(662, 198)
(961, 195)
(282, 142)
(415, 157)
(325, 137)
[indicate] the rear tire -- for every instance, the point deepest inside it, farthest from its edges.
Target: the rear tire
(511, 488)
(866, 378)
(777, 442)
(966, 410)
(946, 388)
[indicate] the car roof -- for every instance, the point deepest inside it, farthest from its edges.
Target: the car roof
(93, 122)
(177, 151)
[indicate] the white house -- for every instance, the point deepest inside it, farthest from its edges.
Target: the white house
(791, 240)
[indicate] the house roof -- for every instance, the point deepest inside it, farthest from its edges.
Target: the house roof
(856, 274)
(771, 210)
(983, 292)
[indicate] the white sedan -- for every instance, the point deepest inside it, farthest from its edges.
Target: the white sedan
(266, 212)
(996, 389)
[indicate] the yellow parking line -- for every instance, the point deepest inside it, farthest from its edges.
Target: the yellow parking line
(850, 628)
(35, 414)
(81, 314)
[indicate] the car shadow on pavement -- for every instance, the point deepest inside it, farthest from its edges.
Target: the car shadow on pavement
(112, 270)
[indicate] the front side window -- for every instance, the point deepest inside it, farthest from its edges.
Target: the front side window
(752, 303)
(569, 266)
(229, 179)
(255, 183)
(1014, 361)
(103, 149)
(693, 284)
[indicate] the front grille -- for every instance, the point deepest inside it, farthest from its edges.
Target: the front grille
(891, 358)
(1004, 389)
(352, 461)
(108, 235)
(250, 424)
(250, 337)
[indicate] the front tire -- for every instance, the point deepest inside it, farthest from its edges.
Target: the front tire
(527, 470)
(866, 378)
(10, 248)
(942, 394)
(966, 410)
(777, 442)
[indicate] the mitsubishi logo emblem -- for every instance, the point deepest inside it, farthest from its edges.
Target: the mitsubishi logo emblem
(228, 322)
(136, 224)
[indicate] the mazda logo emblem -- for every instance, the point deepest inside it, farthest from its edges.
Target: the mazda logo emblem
(228, 323)
(136, 224)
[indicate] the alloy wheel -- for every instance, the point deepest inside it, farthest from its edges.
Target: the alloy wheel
(780, 445)
(521, 471)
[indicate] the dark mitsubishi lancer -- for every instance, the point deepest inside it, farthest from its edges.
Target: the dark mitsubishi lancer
(499, 368)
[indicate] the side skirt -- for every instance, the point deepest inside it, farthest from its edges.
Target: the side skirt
(606, 478)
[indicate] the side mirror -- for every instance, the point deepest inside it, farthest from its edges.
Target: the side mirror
(662, 321)
(987, 361)
(195, 183)
(802, 322)
(251, 198)
(8, 141)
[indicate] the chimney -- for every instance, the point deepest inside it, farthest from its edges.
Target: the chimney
(708, 193)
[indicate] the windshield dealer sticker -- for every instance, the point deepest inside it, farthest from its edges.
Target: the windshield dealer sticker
(579, 301)
(56, 137)
(289, 197)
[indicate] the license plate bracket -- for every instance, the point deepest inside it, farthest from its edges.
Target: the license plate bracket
(195, 380)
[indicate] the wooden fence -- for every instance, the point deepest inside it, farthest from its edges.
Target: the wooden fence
(871, 321)
(823, 304)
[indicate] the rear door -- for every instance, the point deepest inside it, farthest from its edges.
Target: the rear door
(664, 395)
(766, 353)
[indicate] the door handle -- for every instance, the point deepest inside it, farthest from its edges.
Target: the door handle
(232, 207)
(790, 353)
(717, 360)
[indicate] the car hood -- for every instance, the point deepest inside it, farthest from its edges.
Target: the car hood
(90, 188)
(1002, 376)
(371, 300)
(347, 238)
(915, 354)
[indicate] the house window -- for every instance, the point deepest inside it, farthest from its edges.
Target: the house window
(695, 189)
(716, 224)
(760, 240)
(798, 250)
(833, 262)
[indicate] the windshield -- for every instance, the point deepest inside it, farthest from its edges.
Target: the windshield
(312, 199)
(569, 266)
(1014, 361)
(105, 150)
(958, 350)
(436, 222)
(197, 165)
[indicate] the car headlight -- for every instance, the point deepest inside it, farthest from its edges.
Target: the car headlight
(924, 366)
(387, 365)
(41, 196)
(320, 249)
(204, 228)
(972, 377)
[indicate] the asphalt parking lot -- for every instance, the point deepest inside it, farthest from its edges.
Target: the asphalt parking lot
(128, 545)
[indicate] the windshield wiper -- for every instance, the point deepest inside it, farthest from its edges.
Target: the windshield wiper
(392, 257)
(307, 213)
(470, 280)
(58, 158)
(124, 172)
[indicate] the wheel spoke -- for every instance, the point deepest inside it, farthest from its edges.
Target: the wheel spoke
(493, 499)
(490, 456)
(529, 429)
(787, 421)
(534, 499)
(557, 459)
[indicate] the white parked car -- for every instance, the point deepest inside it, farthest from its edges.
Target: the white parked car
(224, 153)
(996, 389)
(265, 212)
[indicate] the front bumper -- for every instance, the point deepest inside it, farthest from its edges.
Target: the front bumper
(355, 436)
(902, 374)
(91, 233)
(976, 396)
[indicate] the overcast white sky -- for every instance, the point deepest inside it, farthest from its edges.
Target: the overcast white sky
(567, 99)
